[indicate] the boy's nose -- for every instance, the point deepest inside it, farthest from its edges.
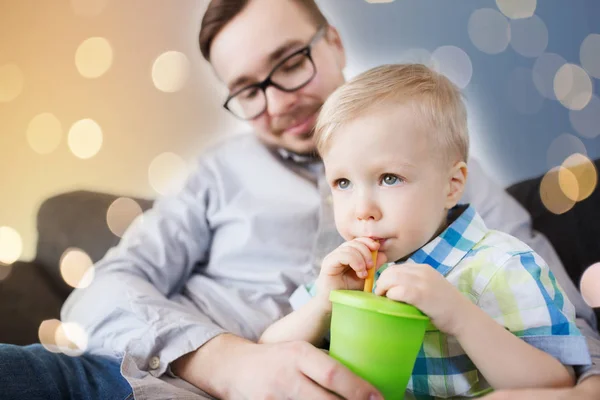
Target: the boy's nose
(367, 209)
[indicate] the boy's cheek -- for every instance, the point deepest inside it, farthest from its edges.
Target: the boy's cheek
(345, 233)
(343, 220)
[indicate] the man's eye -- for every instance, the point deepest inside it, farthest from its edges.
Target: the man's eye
(293, 65)
(248, 94)
(390, 180)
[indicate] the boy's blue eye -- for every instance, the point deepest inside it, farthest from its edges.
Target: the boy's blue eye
(390, 180)
(343, 183)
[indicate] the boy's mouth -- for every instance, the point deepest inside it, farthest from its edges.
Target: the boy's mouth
(379, 239)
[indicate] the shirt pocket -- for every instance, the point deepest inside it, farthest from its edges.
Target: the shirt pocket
(442, 369)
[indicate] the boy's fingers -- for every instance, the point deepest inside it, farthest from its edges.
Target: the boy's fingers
(382, 287)
(398, 293)
(347, 256)
(394, 290)
(370, 243)
(363, 250)
(389, 278)
(355, 260)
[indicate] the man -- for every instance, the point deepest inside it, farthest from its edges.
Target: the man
(179, 302)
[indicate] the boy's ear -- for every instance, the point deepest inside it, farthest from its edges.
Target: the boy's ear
(456, 183)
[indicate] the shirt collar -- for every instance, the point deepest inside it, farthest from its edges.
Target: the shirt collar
(445, 251)
(297, 158)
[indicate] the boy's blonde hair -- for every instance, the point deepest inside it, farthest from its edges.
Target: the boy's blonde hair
(433, 96)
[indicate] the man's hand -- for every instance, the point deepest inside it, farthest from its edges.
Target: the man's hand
(229, 367)
(346, 267)
(588, 389)
(425, 288)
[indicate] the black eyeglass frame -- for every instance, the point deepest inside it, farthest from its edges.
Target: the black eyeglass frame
(263, 85)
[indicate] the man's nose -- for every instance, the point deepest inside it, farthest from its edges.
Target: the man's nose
(278, 101)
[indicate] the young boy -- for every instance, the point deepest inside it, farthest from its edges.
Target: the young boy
(394, 143)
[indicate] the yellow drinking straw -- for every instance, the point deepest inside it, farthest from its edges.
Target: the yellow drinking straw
(371, 274)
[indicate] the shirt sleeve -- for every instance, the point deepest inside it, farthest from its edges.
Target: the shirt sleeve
(524, 296)
(593, 341)
(128, 310)
(502, 212)
(301, 296)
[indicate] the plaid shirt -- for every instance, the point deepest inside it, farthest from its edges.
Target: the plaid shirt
(507, 280)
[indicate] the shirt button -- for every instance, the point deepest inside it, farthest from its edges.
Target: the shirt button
(154, 362)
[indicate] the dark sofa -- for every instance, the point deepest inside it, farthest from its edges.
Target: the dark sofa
(34, 291)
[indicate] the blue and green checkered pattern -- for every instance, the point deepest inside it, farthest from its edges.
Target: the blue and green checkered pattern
(512, 284)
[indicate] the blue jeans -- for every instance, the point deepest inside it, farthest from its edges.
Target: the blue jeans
(34, 373)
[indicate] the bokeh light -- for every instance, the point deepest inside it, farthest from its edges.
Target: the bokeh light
(167, 173)
(121, 214)
(545, 68)
(529, 36)
(66, 337)
(94, 57)
(76, 268)
(573, 86)
(11, 245)
(170, 71)
(454, 63)
(87, 8)
(71, 339)
(584, 171)
(11, 82)
(522, 94)
(516, 9)
(590, 285)
(47, 334)
(44, 133)
(587, 120)
(551, 193)
(568, 183)
(489, 30)
(562, 147)
(589, 54)
(85, 138)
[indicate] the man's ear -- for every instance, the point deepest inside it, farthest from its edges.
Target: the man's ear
(457, 179)
(334, 39)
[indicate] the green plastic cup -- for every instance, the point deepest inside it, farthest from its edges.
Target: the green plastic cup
(376, 338)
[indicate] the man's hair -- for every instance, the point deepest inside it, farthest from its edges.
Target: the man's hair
(434, 98)
(220, 12)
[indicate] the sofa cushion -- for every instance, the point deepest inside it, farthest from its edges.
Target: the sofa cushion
(26, 300)
(74, 219)
(575, 234)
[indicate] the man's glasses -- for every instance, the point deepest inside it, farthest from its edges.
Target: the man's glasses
(290, 74)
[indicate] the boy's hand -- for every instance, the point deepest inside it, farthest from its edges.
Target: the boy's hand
(425, 288)
(346, 267)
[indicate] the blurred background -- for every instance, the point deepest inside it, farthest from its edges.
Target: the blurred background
(114, 96)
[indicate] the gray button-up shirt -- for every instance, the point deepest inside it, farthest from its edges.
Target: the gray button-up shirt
(225, 254)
